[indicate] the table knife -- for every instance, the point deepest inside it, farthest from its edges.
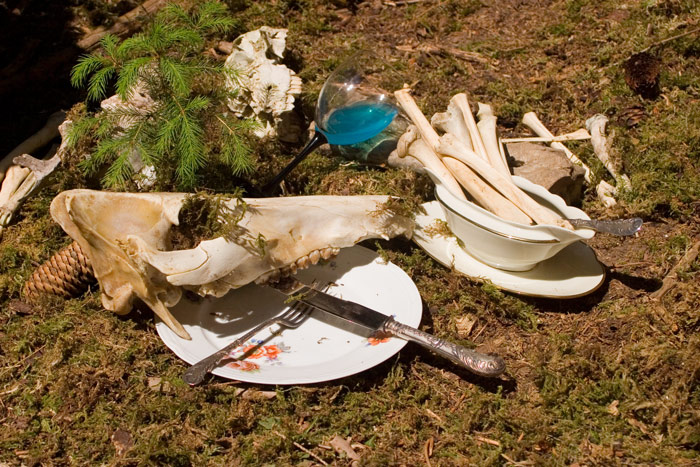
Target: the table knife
(379, 323)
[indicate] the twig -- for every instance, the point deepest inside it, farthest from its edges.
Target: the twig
(301, 447)
(490, 441)
(445, 50)
(434, 415)
(672, 38)
(672, 277)
(122, 25)
(428, 450)
(514, 462)
(401, 2)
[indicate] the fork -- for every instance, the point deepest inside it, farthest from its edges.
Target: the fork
(290, 319)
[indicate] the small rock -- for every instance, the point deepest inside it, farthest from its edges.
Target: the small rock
(122, 441)
(549, 168)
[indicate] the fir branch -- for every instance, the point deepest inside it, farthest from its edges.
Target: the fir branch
(110, 44)
(129, 75)
(97, 87)
(212, 16)
(79, 130)
(176, 74)
(87, 65)
(235, 152)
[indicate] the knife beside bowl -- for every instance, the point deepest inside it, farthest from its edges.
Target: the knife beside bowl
(481, 364)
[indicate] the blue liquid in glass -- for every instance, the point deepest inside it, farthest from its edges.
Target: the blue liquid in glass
(357, 122)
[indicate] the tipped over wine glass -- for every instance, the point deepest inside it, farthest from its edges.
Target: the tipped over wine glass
(350, 110)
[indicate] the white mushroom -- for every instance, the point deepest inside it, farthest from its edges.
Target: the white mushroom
(266, 89)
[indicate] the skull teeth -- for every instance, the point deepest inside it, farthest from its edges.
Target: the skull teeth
(302, 263)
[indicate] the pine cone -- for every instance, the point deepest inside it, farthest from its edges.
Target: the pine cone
(67, 273)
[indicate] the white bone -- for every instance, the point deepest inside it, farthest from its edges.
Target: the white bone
(606, 193)
(449, 146)
(462, 104)
(596, 126)
(487, 131)
(127, 238)
(410, 144)
(39, 139)
(452, 122)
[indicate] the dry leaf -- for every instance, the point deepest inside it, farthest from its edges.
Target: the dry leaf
(343, 446)
(465, 324)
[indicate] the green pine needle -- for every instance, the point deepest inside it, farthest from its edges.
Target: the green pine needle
(97, 87)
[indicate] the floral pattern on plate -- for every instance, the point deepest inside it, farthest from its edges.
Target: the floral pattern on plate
(255, 350)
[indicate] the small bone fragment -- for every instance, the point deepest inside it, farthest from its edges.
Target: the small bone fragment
(22, 181)
(487, 131)
(530, 120)
(449, 146)
(453, 122)
(39, 167)
(577, 135)
(596, 126)
(39, 139)
(411, 144)
(606, 193)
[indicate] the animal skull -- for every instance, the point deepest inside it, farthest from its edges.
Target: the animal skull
(127, 239)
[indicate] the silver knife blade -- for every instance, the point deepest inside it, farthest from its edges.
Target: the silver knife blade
(481, 364)
(350, 311)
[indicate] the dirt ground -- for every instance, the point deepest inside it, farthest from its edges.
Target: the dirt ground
(610, 378)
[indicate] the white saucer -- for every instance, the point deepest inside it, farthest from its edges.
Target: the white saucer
(573, 272)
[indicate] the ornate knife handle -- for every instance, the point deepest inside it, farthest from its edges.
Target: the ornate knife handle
(479, 363)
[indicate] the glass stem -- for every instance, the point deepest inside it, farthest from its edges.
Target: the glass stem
(317, 140)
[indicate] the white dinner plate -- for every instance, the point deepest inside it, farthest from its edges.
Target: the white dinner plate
(323, 347)
(573, 272)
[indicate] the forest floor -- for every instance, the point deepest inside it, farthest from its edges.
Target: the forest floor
(610, 378)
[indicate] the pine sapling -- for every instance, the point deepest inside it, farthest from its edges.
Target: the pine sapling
(185, 124)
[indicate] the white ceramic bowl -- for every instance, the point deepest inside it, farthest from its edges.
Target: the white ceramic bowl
(507, 245)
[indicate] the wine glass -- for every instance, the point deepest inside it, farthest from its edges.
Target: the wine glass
(350, 110)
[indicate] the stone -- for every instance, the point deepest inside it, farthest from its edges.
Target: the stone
(547, 167)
